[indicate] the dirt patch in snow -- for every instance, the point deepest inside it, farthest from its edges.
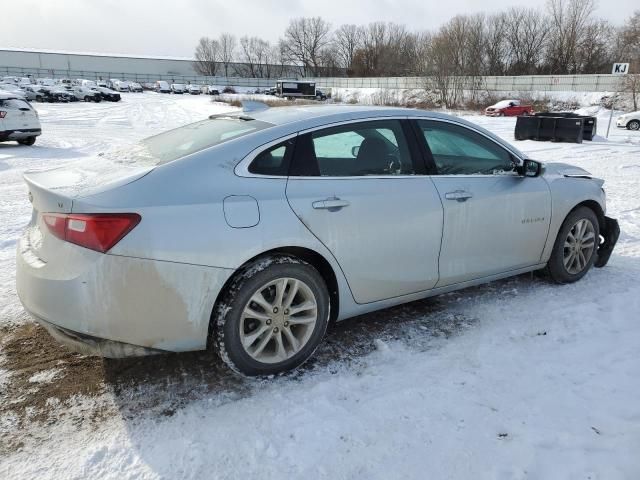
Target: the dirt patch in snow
(44, 380)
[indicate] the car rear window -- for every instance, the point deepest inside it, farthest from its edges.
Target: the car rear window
(183, 141)
(14, 103)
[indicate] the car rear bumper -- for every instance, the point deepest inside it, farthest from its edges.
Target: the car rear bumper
(89, 298)
(19, 134)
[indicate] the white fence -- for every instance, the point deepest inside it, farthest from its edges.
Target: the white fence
(525, 83)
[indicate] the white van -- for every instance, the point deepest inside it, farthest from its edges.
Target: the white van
(18, 120)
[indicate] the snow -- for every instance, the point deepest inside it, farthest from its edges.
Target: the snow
(540, 382)
(45, 376)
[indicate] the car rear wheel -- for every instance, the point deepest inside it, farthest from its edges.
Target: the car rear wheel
(575, 249)
(27, 141)
(634, 125)
(272, 317)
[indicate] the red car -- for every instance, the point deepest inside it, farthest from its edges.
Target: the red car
(508, 108)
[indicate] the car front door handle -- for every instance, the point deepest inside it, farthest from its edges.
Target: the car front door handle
(459, 195)
(330, 204)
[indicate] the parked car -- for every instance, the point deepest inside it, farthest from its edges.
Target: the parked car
(102, 84)
(162, 87)
(210, 90)
(630, 121)
(56, 94)
(178, 88)
(35, 92)
(24, 82)
(81, 82)
(49, 82)
(87, 94)
(508, 108)
(193, 89)
(120, 85)
(18, 120)
(14, 89)
(107, 94)
(135, 87)
(255, 257)
(9, 79)
(320, 95)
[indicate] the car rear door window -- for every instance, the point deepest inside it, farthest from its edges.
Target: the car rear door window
(457, 150)
(273, 161)
(376, 148)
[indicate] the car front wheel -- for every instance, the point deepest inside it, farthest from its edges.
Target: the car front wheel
(634, 125)
(272, 317)
(575, 249)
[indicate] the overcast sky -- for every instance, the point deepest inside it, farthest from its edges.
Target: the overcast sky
(172, 28)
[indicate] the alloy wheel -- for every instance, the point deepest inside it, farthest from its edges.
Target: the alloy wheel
(579, 246)
(278, 320)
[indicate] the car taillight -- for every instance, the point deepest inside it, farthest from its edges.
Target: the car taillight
(99, 231)
(3, 114)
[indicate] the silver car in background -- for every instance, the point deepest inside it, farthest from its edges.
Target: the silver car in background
(250, 232)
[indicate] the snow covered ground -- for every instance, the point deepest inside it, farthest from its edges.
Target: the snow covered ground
(519, 379)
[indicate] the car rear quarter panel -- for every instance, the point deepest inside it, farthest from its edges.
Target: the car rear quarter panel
(183, 221)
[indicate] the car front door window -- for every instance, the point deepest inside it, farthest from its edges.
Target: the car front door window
(458, 150)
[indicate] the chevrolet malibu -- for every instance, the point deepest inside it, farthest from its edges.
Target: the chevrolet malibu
(250, 232)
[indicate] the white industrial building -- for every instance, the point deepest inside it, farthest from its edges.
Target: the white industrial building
(56, 63)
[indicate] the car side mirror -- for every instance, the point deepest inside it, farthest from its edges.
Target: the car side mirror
(355, 150)
(530, 168)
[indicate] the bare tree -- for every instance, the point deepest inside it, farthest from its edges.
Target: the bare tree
(228, 45)
(255, 55)
(207, 55)
(347, 39)
(304, 41)
(631, 85)
(569, 22)
(526, 35)
(495, 49)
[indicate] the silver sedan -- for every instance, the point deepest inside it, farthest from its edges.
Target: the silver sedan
(250, 232)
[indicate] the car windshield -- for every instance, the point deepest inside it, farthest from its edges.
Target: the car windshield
(183, 141)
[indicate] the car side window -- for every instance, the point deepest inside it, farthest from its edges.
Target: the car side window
(376, 147)
(457, 150)
(273, 161)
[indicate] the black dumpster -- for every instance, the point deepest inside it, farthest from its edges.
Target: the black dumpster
(590, 124)
(550, 128)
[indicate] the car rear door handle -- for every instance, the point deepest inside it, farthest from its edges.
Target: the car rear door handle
(459, 195)
(330, 204)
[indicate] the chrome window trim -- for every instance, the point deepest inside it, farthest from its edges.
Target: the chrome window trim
(242, 168)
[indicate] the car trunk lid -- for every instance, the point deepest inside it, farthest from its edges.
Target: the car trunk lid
(54, 191)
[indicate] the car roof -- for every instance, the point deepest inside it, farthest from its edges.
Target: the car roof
(310, 116)
(291, 119)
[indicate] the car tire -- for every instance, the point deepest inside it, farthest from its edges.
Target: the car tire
(27, 141)
(39, 99)
(575, 248)
(87, 98)
(633, 125)
(273, 341)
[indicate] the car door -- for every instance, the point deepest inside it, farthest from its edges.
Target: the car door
(495, 220)
(358, 188)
